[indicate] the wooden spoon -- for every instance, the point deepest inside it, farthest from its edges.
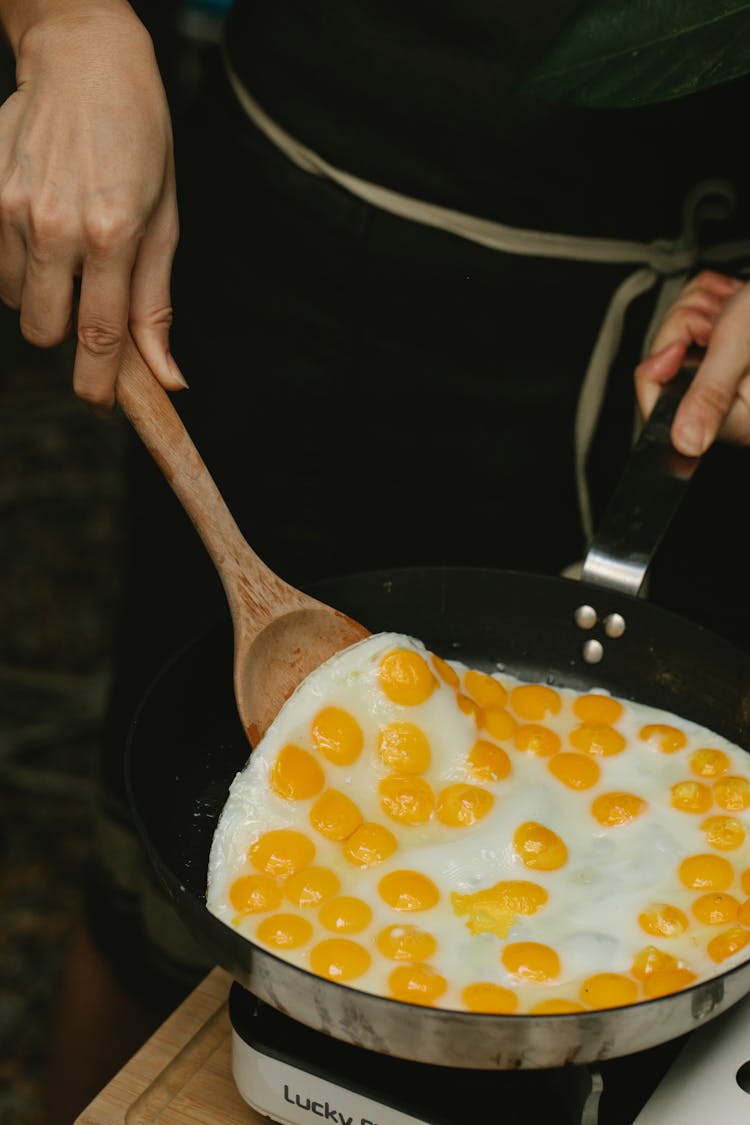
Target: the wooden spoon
(280, 634)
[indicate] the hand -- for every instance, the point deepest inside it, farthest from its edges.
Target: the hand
(87, 190)
(713, 311)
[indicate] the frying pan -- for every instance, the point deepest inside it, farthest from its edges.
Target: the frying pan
(186, 744)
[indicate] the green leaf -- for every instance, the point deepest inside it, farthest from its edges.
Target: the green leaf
(634, 52)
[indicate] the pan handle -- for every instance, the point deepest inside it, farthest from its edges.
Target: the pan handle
(648, 494)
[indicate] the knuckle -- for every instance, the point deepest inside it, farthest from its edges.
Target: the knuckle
(100, 340)
(713, 396)
(108, 227)
(160, 316)
(48, 225)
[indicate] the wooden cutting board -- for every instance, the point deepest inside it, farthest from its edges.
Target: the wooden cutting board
(183, 1074)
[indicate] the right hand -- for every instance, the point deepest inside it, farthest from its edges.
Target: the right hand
(87, 190)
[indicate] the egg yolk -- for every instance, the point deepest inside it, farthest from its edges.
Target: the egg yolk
(723, 832)
(337, 735)
(408, 891)
(615, 809)
(487, 691)
(404, 748)
(664, 982)
(531, 960)
(598, 739)
(369, 845)
(652, 960)
(312, 886)
(608, 990)
(600, 709)
(691, 797)
(447, 674)
(494, 910)
(251, 894)
(339, 959)
(536, 739)
(728, 943)
(406, 943)
(577, 771)
(405, 677)
(484, 996)
(498, 723)
(534, 701)
(489, 762)
(335, 815)
(663, 920)
(469, 706)
(669, 739)
(417, 984)
(709, 762)
(743, 914)
(281, 852)
(460, 806)
(732, 793)
(716, 908)
(345, 915)
(706, 873)
(745, 881)
(295, 774)
(556, 1006)
(284, 931)
(539, 847)
(407, 799)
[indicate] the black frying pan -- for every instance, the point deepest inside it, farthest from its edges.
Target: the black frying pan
(187, 743)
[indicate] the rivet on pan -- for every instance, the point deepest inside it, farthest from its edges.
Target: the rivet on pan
(586, 617)
(593, 651)
(614, 625)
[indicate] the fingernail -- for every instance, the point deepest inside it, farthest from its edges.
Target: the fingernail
(176, 373)
(692, 438)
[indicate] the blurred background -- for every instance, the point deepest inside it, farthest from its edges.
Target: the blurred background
(60, 494)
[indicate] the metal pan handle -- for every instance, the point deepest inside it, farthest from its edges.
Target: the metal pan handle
(648, 494)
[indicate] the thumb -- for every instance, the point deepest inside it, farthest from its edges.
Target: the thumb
(150, 304)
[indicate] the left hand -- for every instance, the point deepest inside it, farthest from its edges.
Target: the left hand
(713, 311)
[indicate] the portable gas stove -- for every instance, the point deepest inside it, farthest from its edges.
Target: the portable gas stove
(297, 1076)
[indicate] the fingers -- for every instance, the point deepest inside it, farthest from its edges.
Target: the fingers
(102, 326)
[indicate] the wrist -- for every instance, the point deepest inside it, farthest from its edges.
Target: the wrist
(21, 19)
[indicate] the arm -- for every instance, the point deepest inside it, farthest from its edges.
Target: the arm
(712, 311)
(87, 187)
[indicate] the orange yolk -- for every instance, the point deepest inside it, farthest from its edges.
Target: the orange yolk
(663, 920)
(556, 1006)
(281, 852)
(531, 960)
(484, 996)
(295, 774)
(405, 677)
(495, 909)
(369, 844)
(598, 739)
(417, 984)
(408, 891)
(487, 691)
(339, 959)
(447, 674)
(407, 798)
(597, 709)
(534, 701)
(345, 915)
(469, 707)
(335, 815)
(723, 832)
(745, 880)
(652, 960)
(284, 931)
(615, 809)
(337, 735)
(406, 943)
(312, 886)
(251, 894)
(460, 806)
(709, 762)
(706, 873)
(743, 914)
(691, 797)
(577, 771)
(732, 793)
(498, 723)
(728, 943)
(536, 739)
(538, 847)
(404, 748)
(669, 739)
(663, 983)
(608, 990)
(489, 762)
(716, 908)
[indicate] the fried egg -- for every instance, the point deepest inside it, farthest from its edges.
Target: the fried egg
(432, 833)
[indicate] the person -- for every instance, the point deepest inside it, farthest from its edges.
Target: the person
(408, 300)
